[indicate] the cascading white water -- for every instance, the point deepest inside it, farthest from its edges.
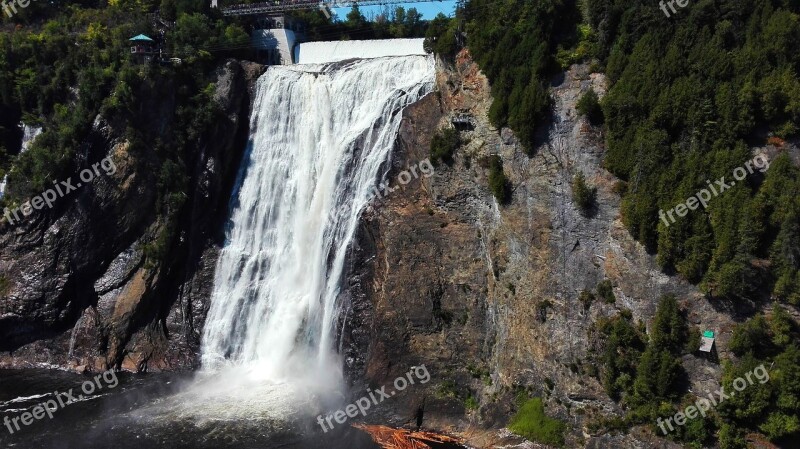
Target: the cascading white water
(320, 135)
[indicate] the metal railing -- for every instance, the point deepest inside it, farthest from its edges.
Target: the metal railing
(293, 5)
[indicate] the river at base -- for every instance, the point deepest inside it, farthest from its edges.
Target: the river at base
(140, 412)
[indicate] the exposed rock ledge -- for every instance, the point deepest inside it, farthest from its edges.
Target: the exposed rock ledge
(448, 278)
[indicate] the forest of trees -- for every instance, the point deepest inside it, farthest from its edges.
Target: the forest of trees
(516, 44)
(773, 407)
(643, 372)
(690, 97)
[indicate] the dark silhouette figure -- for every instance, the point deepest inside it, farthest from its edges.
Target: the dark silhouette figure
(420, 413)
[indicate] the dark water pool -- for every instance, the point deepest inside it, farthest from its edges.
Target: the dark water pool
(117, 417)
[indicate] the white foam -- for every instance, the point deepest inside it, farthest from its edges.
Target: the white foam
(320, 138)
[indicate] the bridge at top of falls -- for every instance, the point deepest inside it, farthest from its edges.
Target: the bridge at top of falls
(277, 6)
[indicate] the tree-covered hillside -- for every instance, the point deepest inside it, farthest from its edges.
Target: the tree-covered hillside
(692, 97)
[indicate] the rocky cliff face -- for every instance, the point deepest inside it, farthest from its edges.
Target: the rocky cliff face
(79, 292)
(486, 295)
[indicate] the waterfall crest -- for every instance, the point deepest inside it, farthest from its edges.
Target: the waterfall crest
(320, 138)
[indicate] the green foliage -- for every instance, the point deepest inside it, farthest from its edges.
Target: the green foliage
(354, 18)
(583, 195)
(585, 48)
(698, 432)
(731, 437)
(586, 298)
(480, 373)
(443, 144)
(515, 46)
(440, 38)
(471, 403)
(659, 373)
(498, 183)
(605, 290)
(669, 329)
(750, 337)
(74, 64)
(770, 405)
(447, 389)
(404, 23)
(56, 74)
(396, 22)
(589, 106)
(648, 378)
(196, 35)
(532, 423)
(689, 97)
(620, 354)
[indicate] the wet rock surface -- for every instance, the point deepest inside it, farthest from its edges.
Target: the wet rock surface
(486, 295)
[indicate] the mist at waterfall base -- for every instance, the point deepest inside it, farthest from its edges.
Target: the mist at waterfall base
(321, 137)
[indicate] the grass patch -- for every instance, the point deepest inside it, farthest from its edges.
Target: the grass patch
(532, 423)
(447, 389)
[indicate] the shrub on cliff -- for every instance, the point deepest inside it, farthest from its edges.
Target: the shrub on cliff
(589, 106)
(605, 290)
(623, 344)
(443, 144)
(659, 374)
(498, 183)
(583, 195)
(586, 298)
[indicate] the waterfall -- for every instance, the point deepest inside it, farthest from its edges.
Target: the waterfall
(320, 137)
